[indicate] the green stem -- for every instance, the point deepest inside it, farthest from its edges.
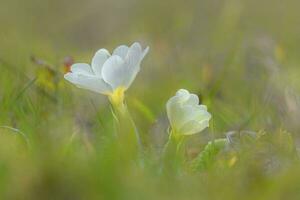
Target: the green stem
(128, 137)
(173, 154)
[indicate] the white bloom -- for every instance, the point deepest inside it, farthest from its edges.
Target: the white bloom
(109, 73)
(185, 114)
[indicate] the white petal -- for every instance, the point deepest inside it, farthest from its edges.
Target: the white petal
(131, 73)
(193, 113)
(172, 110)
(118, 73)
(98, 60)
(203, 107)
(184, 113)
(114, 72)
(182, 98)
(199, 114)
(134, 54)
(177, 113)
(132, 61)
(181, 115)
(194, 126)
(193, 119)
(174, 105)
(192, 100)
(186, 98)
(82, 68)
(174, 115)
(121, 51)
(145, 52)
(88, 82)
(182, 92)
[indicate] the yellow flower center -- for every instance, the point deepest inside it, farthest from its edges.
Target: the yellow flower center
(117, 96)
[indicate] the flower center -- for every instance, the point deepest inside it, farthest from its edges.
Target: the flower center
(117, 96)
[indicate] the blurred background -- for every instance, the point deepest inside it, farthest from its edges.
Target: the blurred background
(240, 56)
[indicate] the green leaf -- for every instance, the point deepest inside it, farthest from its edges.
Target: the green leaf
(206, 158)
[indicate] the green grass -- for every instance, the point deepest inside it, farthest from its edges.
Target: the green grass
(240, 57)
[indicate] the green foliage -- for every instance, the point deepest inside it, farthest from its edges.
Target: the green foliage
(207, 156)
(240, 57)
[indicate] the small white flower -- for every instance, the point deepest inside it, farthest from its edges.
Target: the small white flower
(185, 114)
(109, 74)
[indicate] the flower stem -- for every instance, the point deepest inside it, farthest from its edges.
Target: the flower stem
(173, 153)
(127, 134)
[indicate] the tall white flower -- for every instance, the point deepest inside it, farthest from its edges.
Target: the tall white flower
(185, 114)
(109, 74)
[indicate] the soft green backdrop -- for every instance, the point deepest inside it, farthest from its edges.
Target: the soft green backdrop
(241, 57)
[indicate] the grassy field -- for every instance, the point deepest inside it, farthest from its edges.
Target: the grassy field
(241, 57)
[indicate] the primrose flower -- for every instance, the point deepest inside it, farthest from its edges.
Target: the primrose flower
(185, 114)
(109, 74)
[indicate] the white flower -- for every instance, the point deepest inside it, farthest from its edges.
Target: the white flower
(109, 74)
(185, 114)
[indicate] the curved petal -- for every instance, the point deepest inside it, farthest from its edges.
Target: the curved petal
(174, 114)
(82, 68)
(194, 126)
(185, 115)
(130, 75)
(144, 53)
(98, 60)
(175, 103)
(114, 72)
(88, 82)
(172, 110)
(132, 61)
(189, 113)
(187, 98)
(203, 107)
(174, 107)
(121, 51)
(192, 100)
(182, 92)
(109, 73)
(133, 57)
(193, 119)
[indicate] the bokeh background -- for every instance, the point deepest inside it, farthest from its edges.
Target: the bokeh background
(240, 56)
